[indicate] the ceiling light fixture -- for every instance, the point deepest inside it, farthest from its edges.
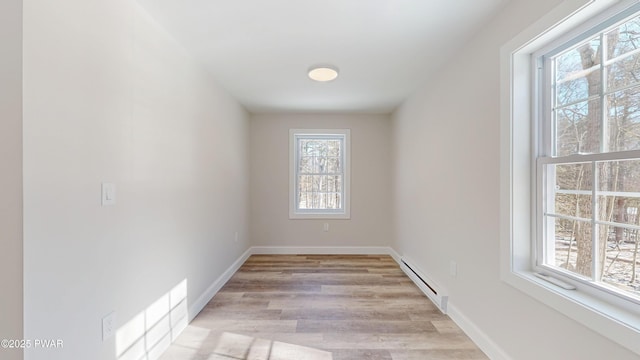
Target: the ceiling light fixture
(323, 73)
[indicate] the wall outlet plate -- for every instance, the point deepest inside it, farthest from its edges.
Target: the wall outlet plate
(108, 326)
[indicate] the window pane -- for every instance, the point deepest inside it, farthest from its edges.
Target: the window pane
(575, 205)
(307, 147)
(619, 191)
(573, 246)
(624, 39)
(305, 164)
(619, 209)
(319, 192)
(624, 72)
(573, 176)
(624, 120)
(308, 200)
(314, 165)
(578, 87)
(569, 241)
(333, 165)
(621, 175)
(305, 182)
(321, 201)
(335, 201)
(573, 190)
(578, 128)
(577, 74)
(304, 200)
(334, 147)
(320, 183)
(622, 45)
(319, 165)
(334, 183)
(619, 260)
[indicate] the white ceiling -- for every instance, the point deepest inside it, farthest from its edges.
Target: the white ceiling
(260, 50)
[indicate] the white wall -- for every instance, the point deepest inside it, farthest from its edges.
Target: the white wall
(446, 152)
(11, 175)
(109, 97)
(370, 223)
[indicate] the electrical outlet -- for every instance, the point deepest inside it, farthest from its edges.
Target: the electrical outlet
(108, 326)
(236, 238)
(325, 227)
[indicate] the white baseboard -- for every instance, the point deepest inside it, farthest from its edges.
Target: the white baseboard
(395, 255)
(488, 346)
(318, 250)
(212, 290)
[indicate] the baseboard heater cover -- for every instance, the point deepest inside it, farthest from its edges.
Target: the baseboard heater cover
(427, 286)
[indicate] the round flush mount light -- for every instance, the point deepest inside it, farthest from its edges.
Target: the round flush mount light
(323, 73)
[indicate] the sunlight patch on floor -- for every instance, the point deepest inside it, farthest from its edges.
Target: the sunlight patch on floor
(200, 344)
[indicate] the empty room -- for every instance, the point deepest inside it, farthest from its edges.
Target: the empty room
(320, 180)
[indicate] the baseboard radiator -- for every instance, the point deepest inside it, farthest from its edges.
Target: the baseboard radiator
(427, 286)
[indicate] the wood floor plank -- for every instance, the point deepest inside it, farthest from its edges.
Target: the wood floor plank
(245, 314)
(241, 326)
(368, 354)
(326, 303)
(396, 291)
(406, 341)
(344, 314)
(472, 354)
(241, 304)
(365, 326)
(322, 307)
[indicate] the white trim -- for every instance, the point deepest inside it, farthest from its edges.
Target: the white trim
(345, 213)
(321, 250)
(479, 337)
(213, 289)
(395, 255)
(516, 185)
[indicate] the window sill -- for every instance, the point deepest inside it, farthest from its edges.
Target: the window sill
(315, 216)
(618, 325)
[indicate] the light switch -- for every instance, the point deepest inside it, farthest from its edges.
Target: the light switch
(108, 194)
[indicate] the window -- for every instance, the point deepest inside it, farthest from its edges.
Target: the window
(319, 174)
(588, 163)
(570, 165)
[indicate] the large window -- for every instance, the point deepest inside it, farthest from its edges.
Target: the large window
(570, 165)
(319, 172)
(588, 162)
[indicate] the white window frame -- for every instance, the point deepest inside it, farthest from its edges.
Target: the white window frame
(545, 152)
(609, 316)
(294, 211)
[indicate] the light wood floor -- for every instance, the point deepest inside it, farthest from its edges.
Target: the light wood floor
(321, 307)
